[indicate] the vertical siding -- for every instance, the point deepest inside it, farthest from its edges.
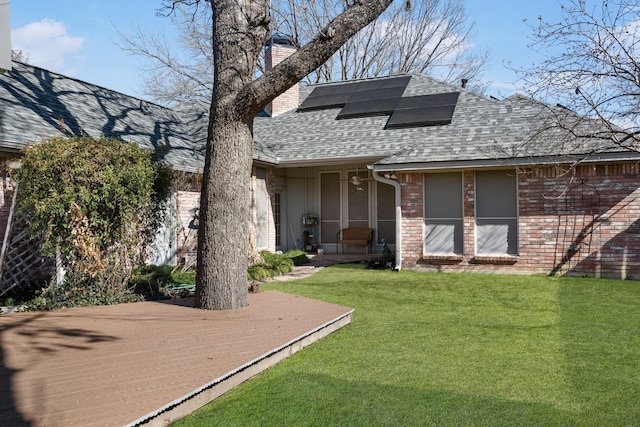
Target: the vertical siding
(301, 199)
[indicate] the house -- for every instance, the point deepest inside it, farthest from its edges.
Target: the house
(453, 180)
(449, 179)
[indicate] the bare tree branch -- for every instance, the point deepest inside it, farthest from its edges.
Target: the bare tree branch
(434, 37)
(590, 65)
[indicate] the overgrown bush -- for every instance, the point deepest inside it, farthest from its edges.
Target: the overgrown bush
(96, 203)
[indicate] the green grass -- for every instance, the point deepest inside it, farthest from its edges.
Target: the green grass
(453, 349)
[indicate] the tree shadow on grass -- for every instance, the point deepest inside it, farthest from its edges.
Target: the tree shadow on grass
(335, 401)
(34, 339)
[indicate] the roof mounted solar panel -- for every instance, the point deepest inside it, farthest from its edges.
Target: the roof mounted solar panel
(385, 83)
(326, 101)
(378, 107)
(384, 93)
(334, 89)
(328, 96)
(450, 98)
(421, 116)
(337, 95)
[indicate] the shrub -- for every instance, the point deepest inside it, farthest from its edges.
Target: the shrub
(276, 264)
(153, 282)
(96, 203)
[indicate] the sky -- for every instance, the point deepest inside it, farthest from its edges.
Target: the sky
(79, 38)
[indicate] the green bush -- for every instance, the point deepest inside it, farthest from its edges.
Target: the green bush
(276, 264)
(154, 282)
(95, 202)
(69, 295)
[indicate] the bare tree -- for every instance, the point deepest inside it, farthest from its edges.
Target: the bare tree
(433, 38)
(173, 76)
(19, 55)
(240, 29)
(591, 66)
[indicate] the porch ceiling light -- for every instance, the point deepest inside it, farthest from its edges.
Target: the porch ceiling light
(390, 175)
(356, 180)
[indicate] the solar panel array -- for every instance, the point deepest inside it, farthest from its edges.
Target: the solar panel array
(383, 97)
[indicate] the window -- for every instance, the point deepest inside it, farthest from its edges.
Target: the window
(443, 234)
(496, 213)
(358, 200)
(386, 213)
(329, 206)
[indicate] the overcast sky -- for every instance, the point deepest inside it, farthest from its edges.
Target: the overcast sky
(78, 37)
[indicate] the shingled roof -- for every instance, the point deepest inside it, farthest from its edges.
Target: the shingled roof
(482, 132)
(36, 103)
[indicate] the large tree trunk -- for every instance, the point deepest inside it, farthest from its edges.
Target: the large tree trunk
(222, 239)
(240, 30)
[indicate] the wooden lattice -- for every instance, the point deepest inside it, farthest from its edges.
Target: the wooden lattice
(20, 261)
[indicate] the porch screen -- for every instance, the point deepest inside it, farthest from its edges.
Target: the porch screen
(386, 211)
(329, 206)
(262, 209)
(359, 200)
(496, 213)
(443, 214)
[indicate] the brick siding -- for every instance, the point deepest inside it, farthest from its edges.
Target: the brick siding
(289, 100)
(584, 221)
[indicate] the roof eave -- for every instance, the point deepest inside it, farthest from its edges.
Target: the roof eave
(511, 162)
(327, 161)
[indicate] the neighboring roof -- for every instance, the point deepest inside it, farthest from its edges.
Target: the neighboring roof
(481, 132)
(36, 103)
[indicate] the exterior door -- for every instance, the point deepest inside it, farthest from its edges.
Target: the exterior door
(330, 206)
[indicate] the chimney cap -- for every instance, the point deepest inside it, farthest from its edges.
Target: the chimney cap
(282, 40)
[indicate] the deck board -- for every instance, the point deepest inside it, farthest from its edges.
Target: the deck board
(123, 364)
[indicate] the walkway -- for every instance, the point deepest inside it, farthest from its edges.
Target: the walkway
(145, 363)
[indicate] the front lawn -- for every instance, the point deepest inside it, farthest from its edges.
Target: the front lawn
(453, 349)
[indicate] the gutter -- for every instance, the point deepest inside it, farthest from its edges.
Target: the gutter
(503, 163)
(396, 185)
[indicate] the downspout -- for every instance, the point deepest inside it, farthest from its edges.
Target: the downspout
(396, 185)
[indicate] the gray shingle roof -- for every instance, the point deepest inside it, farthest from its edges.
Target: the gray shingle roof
(483, 132)
(35, 103)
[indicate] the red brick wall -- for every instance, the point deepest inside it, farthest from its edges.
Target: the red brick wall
(412, 216)
(581, 222)
(290, 99)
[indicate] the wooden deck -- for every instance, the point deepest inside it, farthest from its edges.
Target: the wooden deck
(146, 363)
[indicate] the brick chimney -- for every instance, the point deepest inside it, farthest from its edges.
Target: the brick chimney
(280, 47)
(5, 37)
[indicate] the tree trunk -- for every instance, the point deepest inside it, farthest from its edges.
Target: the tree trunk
(240, 31)
(222, 239)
